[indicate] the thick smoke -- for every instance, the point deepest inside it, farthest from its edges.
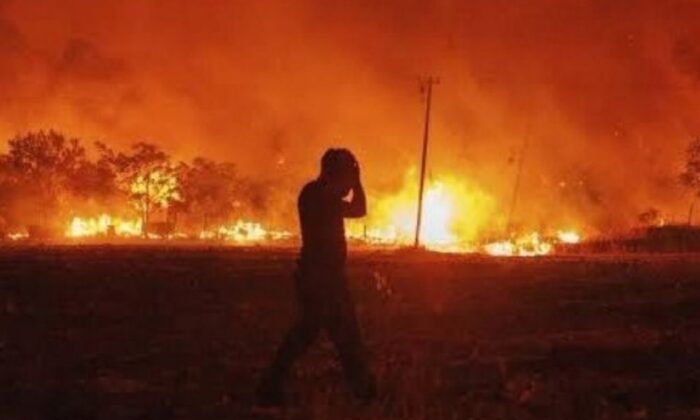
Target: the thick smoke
(599, 98)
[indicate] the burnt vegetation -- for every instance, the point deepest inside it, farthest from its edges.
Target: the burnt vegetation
(46, 178)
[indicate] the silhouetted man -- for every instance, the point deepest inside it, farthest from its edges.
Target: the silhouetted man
(324, 300)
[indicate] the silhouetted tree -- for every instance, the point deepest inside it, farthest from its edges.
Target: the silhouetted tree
(93, 181)
(41, 167)
(146, 175)
(690, 178)
(8, 193)
(209, 190)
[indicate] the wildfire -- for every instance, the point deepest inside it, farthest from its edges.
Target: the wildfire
(568, 236)
(240, 232)
(528, 245)
(245, 232)
(454, 214)
(158, 187)
(456, 217)
(532, 244)
(17, 236)
(103, 225)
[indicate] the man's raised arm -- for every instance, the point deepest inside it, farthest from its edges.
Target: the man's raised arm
(357, 207)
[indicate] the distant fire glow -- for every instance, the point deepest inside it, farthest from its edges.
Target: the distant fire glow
(456, 217)
(157, 187)
(554, 106)
(454, 213)
(569, 236)
(245, 232)
(103, 225)
(529, 245)
(17, 236)
(459, 216)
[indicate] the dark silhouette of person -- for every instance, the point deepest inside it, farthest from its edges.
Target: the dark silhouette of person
(323, 297)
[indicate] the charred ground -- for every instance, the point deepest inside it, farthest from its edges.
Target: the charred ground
(156, 333)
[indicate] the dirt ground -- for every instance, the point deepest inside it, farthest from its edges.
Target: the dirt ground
(115, 332)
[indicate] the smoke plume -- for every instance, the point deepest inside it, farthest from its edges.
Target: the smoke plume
(597, 98)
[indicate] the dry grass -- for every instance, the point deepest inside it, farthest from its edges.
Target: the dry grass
(160, 333)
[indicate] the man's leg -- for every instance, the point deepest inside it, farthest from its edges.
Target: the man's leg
(344, 331)
(297, 340)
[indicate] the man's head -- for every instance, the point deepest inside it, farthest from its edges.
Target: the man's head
(339, 168)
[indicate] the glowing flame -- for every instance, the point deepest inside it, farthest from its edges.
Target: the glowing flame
(103, 225)
(18, 236)
(454, 214)
(500, 249)
(159, 187)
(456, 217)
(242, 232)
(529, 245)
(438, 211)
(568, 236)
(245, 232)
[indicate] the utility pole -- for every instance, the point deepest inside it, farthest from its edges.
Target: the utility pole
(690, 212)
(146, 206)
(427, 87)
(518, 176)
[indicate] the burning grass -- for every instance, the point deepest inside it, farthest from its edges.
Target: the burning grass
(104, 225)
(458, 217)
(141, 194)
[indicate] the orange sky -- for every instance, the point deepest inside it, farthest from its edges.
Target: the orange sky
(607, 92)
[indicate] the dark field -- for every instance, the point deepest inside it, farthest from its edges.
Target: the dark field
(159, 333)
